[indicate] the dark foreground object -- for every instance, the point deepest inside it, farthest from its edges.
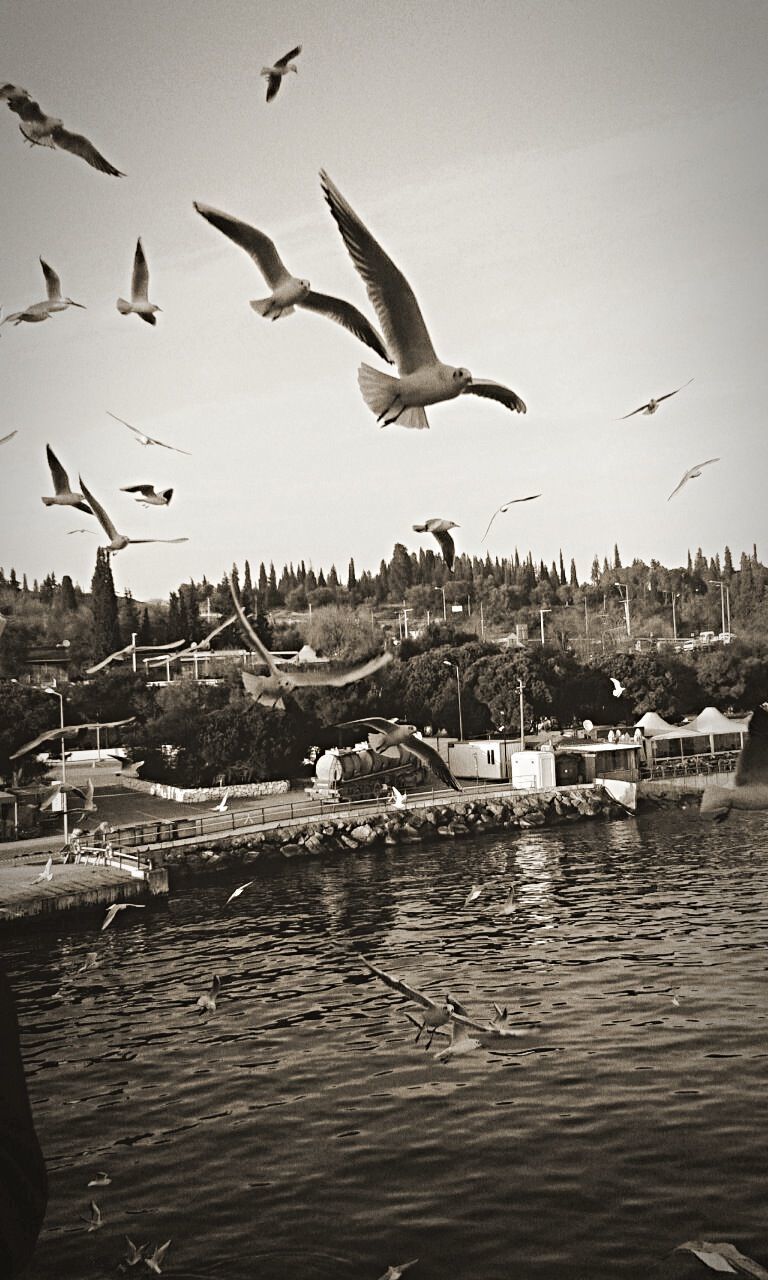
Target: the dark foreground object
(23, 1177)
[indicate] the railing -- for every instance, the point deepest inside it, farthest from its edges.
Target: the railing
(689, 766)
(107, 856)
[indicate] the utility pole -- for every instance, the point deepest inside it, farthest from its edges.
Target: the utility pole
(60, 696)
(718, 582)
(520, 687)
(482, 621)
(625, 600)
(134, 637)
(446, 663)
(541, 621)
(445, 614)
(586, 618)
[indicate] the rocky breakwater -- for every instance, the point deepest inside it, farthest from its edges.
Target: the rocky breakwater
(513, 811)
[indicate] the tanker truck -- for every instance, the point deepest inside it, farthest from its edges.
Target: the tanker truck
(360, 773)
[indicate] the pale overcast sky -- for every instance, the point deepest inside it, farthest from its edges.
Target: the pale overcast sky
(575, 191)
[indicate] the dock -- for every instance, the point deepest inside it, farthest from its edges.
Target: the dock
(90, 882)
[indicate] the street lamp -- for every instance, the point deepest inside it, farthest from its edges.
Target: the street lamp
(445, 614)
(541, 621)
(60, 696)
(446, 663)
(520, 687)
(625, 600)
(718, 582)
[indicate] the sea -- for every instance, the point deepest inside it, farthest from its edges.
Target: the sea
(300, 1131)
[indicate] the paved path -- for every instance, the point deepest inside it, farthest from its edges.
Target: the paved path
(72, 885)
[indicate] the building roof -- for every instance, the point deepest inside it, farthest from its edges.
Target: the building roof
(710, 720)
(651, 723)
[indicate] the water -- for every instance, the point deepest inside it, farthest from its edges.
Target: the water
(300, 1132)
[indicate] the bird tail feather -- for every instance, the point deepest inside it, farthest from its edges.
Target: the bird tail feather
(124, 307)
(267, 307)
(380, 392)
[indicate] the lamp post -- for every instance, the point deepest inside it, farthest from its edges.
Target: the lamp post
(625, 600)
(520, 687)
(725, 594)
(60, 696)
(446, 663)
(541, 621)
(445, 614)
(134, 638)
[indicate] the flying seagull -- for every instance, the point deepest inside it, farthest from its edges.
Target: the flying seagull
(618, 687)
(750, 786)
(268, 690)
(405, 735)
(435, 1014)
(65, 497)
(95, 1221)
(61, 730)
(399, 798)
(195, 647)
(236, 892)
(281, 68)
(11, 434)
(144, 439)
(101, 1179)
(394, 1272)
(423, 378)
(692, 474)
(119, 906)
(440, 529)
(46, 131)
(129, 649)
(289, 292)
(149, 496)
(46, 873)
(38, 311)
(221, 807)
(153, 1262)
(456, 1013)
(139, 304)
(500, 510)
(719, 1255)
(117, 541)
(473, 894)
(652, 404)
(135, 1253)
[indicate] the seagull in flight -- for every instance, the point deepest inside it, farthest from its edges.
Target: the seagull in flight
(95, 1221)
(117, 541)
(221, 807)
(473, 894)
(135, 1253)
(153, 1262)
(618, 687)
(395, 1272)
(149, 496)
(289, 292)
(144, 439)
(509, 905)
(129, 649)
(139, 304)
(423, 378)
(281, 68)
(435, 1014)
(405, 735)
(46, 873)
(268, 690)
(500, 510)
(101, 1180)
(652, 404)
(236, 892)
(119, 906)
(719, 1255)
(11, 434)
(440, 529)
(399, 799)
(38, 311)
(692, 474)
(46, 131)
(65, 497)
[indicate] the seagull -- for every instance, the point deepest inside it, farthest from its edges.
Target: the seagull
(509, 905)
(500, 1017)
(722, 1256)
(101, 1180)
(195, 647)
(395, 1272)
(46, 873)
(206, 1003)
(473, 894)
(289, 292)
(65, 497)
(236, 892)
(59, 732)
(90, 962)
(435, 1015)
(221, 807)
(95, 1221)
(388, 733)
(652, 404)
(750, 786)
(692, 474)
(143, 439)
(46, 131)
(440, 529)
(460, 1042)
(135, 1253)
(117, 541)
(139, 304)
(129, 649)
(399, 799)
(118, 906)
(11, 434)
(38, 311)
(405, 735)
(91, 531)
(280, 69)
(268, 690)
(154, 1261)
(149, 497)
(423, 378)
(500, 510)
(618, 687)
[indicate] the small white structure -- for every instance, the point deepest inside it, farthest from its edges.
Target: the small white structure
(532, 770)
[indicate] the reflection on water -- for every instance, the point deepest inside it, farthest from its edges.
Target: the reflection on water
(300, 1132)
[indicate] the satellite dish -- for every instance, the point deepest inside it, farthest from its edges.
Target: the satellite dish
(588, 725)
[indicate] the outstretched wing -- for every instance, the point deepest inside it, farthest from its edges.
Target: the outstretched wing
(52, 281)
(257, 245)
(260, 648)
(642, 409)
(495, 391)
(80, 146)
(339, 678)
(68, 728)
(432, 759)
(286, 58)
(446, 545)
(674, 393)
(147, 489)
(99, 513)
(397, 984)
(58, 474)
(105, 662)
(140, 278)
(163, 445)
(348, 317)
(11, 434)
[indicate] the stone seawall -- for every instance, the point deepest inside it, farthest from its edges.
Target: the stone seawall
(199, 795)
(449, 821)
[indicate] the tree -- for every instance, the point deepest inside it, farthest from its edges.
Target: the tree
(67, 595)
(351, 578)
(130, 617)
(247, 597)
(106, 624)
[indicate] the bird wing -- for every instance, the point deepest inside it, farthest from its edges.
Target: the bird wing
(125, 424)
(163, 445)
(446, 545)
(257, 245)
(273, 84)
(112, 657)
(5, 439)
(753, 761)
(261, 689)
(99, 513)
(260, 648)
(147, 489)
(80, 146)
(216, 631)
(348, 317)
(58, 474)
(377, 723)
(402, 323)
(397, 984)
(432, 759)
(673, 393)
(718, 1256)
(138, 541)
(616, 683)
(339, 678)
(286, 58)
(490, 522)
(684, 480)
(52, 281)
(68, 728)
(642, 409)
(140, 277)
(495, 391)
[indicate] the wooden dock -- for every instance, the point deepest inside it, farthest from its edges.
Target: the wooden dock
(73, 886)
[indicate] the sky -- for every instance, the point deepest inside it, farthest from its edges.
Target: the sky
(575, 190)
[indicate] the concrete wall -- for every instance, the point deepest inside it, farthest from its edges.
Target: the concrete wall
(201, 795)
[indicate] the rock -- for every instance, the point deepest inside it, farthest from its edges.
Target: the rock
(314, 844)
(444, 831)
(291, 850)
(364, 834)
(349, 841)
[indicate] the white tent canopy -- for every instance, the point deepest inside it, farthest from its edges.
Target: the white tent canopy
(651, 724)
(710, 720)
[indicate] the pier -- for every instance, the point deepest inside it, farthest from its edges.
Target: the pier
(96, 879)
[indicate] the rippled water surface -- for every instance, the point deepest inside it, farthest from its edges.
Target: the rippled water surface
(300, 1132)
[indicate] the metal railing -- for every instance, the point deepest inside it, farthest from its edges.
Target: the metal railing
(690, 766)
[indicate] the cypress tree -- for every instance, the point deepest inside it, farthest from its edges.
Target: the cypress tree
(67, 595)
(351, 577)
(106, 624)
(247, 596)
(574, 577)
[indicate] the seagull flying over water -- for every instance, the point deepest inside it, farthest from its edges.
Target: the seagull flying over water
(119, 906)
(135, 1253)
(435, 1014)
(473, 894)
(719, 1255)
(652, 404)
(65, 497)
(101, 1180)
(46, 131)
(153, 1262)
(288, 292)
(440, 529)
(750, 785)
(236, 892)
(221, 807)
(500, 510)
(149, 496)
(144, 439)
(405, 735)
(423, 378)
(395, 1272)
(139, 304)
(278, 70)
(692, 474)
(117, 541)
(95, 1221)
(38, 311)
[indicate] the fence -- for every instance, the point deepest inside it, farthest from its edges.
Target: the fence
(690, 766)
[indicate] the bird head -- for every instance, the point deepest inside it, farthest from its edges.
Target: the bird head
(13, 91)
(462, 376)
